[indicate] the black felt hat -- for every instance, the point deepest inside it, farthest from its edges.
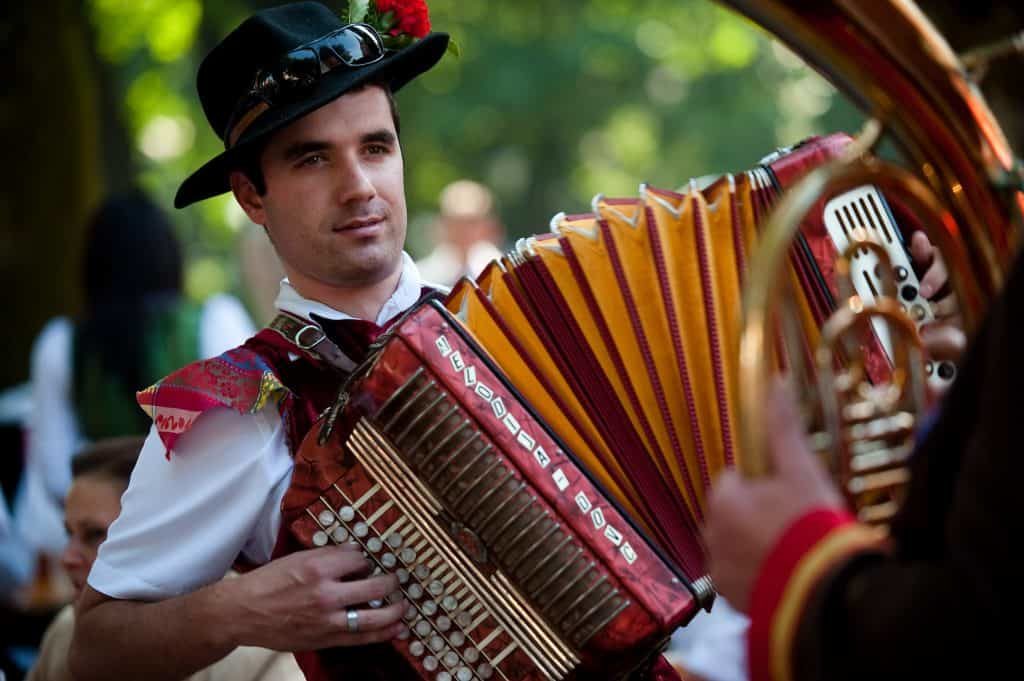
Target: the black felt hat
(228, 72)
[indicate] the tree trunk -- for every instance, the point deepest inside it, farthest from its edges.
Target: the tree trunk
(52, 175)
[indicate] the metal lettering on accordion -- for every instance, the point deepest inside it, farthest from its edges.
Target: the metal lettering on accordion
(515, 564)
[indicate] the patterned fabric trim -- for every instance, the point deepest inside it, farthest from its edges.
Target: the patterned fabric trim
(806, 553)
(239, 379)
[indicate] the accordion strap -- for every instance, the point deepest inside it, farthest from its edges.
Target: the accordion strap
(308, 337)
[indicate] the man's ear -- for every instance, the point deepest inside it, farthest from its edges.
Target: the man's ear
(247, 196)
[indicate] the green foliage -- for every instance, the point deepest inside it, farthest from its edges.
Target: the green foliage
(549, 103)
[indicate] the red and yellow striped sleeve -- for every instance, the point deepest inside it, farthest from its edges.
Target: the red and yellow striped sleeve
(808, 551)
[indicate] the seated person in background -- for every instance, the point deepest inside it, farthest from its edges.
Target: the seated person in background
(100, 477)
(468, 234)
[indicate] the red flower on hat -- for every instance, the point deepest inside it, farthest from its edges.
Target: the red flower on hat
(411, 17)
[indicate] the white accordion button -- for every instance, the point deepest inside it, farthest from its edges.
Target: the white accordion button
(320, 538)
(423, 628)
(464, 674)
(471, 655)
(421, 572)
(360, 530)
(429, 608)
(374, 544)
(464, 619)
(449, 603)
(451, 658)
(415, 591)
(403, 574)
(375, 603)
(347, 514)
(417, 648)
(444, 623)
(411, 612)
(394, 540)
(484, 671)
(430, 663)
(436, 588)
(326, 517)
(407, 555)
(457, 638)
(404, 634)
(436, 644)
(389, 561)
(444, 676)
(339, 534)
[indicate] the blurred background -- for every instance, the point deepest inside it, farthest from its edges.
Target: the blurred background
(549, 103)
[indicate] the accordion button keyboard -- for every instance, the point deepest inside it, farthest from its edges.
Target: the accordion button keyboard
(389, 561)
(449, 603)
(444, 623)
(407, 555)
(436, 643)
(320, 538)
(360, 530)
(417, 648)
(451, 658)
(415, 591)
(421, 572)
(394, 540)
(429, 608)
(411, 613)
(403, 575)
(444, 676)
(374, 544)
(471, 655)
(484, 671)
(347, 514)
(339, 534)
(457, 638)
(326, 517)
(430, 663)
(436, 588)
(464, 674)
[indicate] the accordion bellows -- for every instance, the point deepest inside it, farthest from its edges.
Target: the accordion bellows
(620, 328)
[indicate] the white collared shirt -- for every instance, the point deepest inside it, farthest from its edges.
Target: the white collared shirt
(185, 520)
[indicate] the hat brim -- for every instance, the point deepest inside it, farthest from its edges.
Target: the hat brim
(397, 69)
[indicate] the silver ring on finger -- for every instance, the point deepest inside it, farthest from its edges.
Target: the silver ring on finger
(352, 620)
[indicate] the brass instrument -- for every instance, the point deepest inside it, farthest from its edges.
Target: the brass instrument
(964, 184)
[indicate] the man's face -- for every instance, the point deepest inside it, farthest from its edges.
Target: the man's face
(335, 201)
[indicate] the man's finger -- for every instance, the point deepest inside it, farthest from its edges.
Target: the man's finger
(921, 250)
(365, 590)
(370, 619)
(787, 442)
(336, 562)
(943, 341)
(935, 278)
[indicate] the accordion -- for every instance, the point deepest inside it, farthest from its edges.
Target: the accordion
(532, 456)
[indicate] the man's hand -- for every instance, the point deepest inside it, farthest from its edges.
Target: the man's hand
(747, 516)
(300, 602)
(943, 338)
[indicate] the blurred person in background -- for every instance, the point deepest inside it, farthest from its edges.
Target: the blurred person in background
(136, 326)
(468, 234)
(100, 476)
(262, 272)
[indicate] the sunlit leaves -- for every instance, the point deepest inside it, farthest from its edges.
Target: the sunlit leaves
(165, 28)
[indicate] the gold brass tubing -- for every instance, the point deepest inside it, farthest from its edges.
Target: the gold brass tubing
(764, 285)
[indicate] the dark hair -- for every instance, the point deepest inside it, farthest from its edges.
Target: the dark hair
(113, 457)
(250, 162)
(132, 271)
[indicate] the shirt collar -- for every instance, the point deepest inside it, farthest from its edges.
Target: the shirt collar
(408, 291)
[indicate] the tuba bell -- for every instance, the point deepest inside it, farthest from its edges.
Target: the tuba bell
(961, 180)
